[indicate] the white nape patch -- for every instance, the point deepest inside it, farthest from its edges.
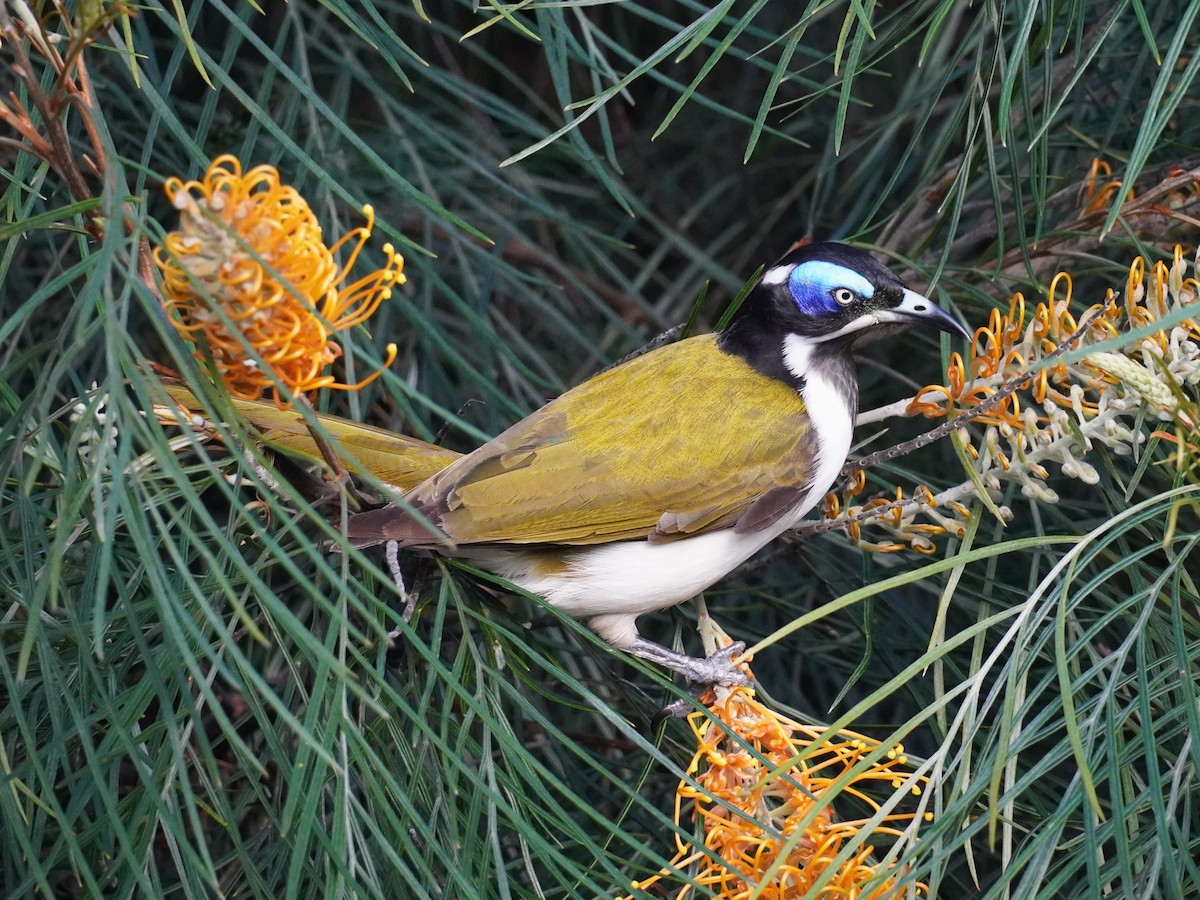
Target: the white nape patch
(777, 274)
(831, 416)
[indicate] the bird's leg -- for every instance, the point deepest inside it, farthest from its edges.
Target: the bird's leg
(410, 600)
(716, 669)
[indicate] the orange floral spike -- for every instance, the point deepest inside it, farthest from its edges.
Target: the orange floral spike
(785, 827)
(248, 272)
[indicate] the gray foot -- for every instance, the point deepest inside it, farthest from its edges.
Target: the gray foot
(716, 669)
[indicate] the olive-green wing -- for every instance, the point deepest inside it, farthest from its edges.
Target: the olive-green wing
(682, 440)
(393, 458)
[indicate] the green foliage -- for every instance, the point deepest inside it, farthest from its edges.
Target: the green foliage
(198, 699)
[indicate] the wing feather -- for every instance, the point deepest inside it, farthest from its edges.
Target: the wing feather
(682, 440)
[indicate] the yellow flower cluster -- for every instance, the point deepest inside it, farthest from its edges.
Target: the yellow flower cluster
(248, 268)
(1071, 405)
(782, 826)
(1066, 405)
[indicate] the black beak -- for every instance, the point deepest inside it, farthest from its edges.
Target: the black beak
(916, 309)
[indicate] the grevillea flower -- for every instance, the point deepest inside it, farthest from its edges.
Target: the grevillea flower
(248, 268)
(1066, 406)
(1170, 201)
(1070, 406)
(785, 836)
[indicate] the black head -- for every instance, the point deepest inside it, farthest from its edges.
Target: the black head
(822, 292)
(820, 301)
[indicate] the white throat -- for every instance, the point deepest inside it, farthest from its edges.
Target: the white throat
(828, 409)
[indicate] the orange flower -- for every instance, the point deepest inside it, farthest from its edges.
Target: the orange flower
(779, 785)
(249, 271)
(1099, 187)
(896, 515)
(1009, 345)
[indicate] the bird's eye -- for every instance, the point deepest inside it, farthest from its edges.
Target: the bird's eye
(844, 296)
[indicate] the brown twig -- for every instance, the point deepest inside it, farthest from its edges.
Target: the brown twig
(71, 89)
(51, 143)
(1136, 208)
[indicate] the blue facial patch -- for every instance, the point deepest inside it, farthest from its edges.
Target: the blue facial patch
(812, 285)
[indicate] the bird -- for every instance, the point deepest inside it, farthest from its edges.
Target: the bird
(649, 482)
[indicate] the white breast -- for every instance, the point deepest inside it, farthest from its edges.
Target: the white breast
(610, 585)
(828, 410)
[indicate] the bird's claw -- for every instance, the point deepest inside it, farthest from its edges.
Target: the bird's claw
(718, 668)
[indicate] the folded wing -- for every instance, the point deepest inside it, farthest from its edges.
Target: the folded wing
(683, 440)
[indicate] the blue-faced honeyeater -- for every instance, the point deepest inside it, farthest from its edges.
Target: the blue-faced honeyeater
(647, 483)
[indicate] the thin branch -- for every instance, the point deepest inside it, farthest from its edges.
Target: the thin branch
(20, 123)
(58, 143)
(950, 495)
(72, 89)
(82, 99)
